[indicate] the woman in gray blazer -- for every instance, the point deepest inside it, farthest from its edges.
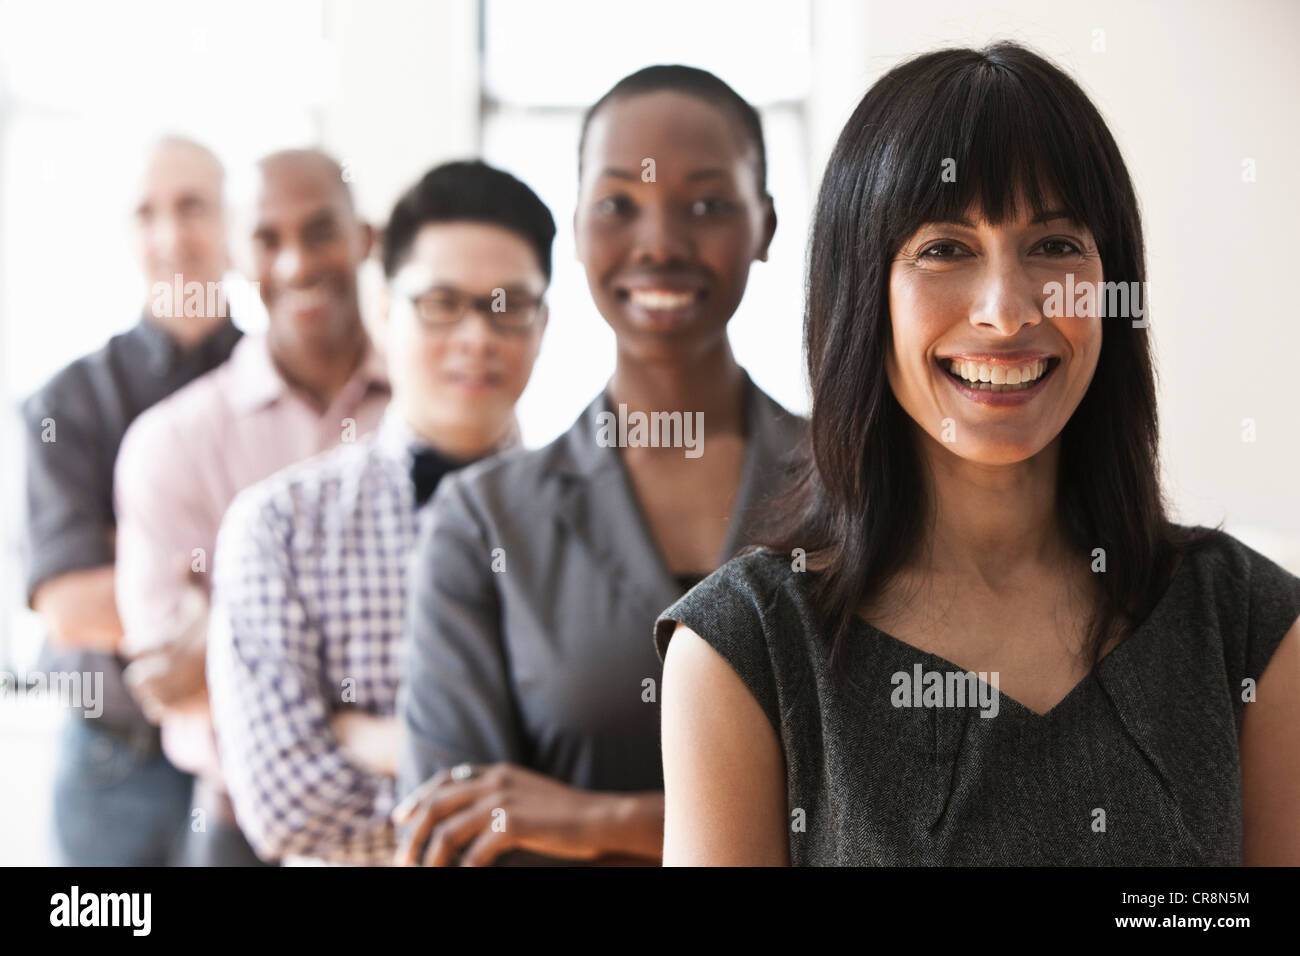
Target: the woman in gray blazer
(531, 697)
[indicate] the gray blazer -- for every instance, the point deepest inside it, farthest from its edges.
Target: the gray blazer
(541, 653)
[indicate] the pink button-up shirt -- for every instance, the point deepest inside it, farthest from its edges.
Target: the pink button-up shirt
(181, 464)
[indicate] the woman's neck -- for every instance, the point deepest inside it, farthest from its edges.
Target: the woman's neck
(990, 521)
(709, 382)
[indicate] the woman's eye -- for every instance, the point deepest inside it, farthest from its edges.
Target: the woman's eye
(1057, 248)
(941, 250)
(710, 206)
(614, 206)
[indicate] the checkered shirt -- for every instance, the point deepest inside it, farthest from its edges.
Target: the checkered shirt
(308, 598)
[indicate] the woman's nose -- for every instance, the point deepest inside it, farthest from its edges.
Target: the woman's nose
(660, 236)
(1008, 298)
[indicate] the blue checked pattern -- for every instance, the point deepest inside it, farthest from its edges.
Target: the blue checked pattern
(308, 595)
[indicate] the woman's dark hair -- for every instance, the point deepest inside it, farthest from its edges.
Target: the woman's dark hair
(1020, 131)
(470, 191)
(692, 82)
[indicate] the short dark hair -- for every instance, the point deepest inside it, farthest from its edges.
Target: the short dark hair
(690, 81)
(1017, 128)
(468, 191)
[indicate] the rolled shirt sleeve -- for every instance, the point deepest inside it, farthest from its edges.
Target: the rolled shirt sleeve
(69, 511)
(293, 789)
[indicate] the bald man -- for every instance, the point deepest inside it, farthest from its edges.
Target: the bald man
(311, 382)
(117, 800)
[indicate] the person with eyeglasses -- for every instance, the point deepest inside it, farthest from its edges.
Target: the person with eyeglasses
(311, 564)
(530, 700)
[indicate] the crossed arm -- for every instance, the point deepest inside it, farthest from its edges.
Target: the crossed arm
(458, 707)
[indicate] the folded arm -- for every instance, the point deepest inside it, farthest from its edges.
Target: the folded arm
(295, 788)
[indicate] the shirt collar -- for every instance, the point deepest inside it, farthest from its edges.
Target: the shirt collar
(587, 456)
(162, 352)
(160, 348)
(256, 382)
(397, 440)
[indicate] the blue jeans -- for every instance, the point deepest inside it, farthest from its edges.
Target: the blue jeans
(117, 800)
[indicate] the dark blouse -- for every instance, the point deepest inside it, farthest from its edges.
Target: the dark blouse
(688, 581)
(1137, 765)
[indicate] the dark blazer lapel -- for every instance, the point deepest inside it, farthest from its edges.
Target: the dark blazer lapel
(599, 507)
(600, 510)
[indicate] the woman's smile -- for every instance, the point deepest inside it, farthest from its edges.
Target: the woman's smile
(661, 305)
(998, 381)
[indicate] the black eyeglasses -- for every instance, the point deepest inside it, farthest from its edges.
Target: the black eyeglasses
(508, 310)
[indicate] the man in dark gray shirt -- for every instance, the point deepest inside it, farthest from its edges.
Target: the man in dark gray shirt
(117, 801)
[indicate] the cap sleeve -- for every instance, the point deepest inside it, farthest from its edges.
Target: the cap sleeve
(730, 610)
(1274, 608)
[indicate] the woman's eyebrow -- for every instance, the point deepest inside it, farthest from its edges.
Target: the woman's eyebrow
(621, 173)
(712, 172)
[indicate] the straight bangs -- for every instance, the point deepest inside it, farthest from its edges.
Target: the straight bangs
(985, 147)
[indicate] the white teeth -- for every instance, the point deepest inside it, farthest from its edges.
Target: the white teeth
(998, 377)
(661, 298)
(303, 299)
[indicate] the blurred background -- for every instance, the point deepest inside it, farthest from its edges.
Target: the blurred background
(1201, 96)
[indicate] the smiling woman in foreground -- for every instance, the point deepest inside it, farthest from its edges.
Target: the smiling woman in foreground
(978, 638)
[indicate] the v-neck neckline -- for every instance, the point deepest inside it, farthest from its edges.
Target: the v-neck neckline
(744, 491)
(1085, 681)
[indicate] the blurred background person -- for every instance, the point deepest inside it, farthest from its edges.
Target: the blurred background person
(530, 679)
(311, 564)
(311, 381)
(117, 799)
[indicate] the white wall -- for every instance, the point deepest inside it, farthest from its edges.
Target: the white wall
(408, 92)
(1190, 90)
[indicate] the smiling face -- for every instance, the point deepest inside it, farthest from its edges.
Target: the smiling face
(180, 226)
(307, 246)
(976, 362)
(667, 260)
(458, 385)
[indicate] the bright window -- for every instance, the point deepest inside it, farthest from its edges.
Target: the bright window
(532, 113)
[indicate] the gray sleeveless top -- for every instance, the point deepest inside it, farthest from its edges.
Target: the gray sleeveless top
(1137, 765)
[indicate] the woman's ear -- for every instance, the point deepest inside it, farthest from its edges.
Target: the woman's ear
(769, 227)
